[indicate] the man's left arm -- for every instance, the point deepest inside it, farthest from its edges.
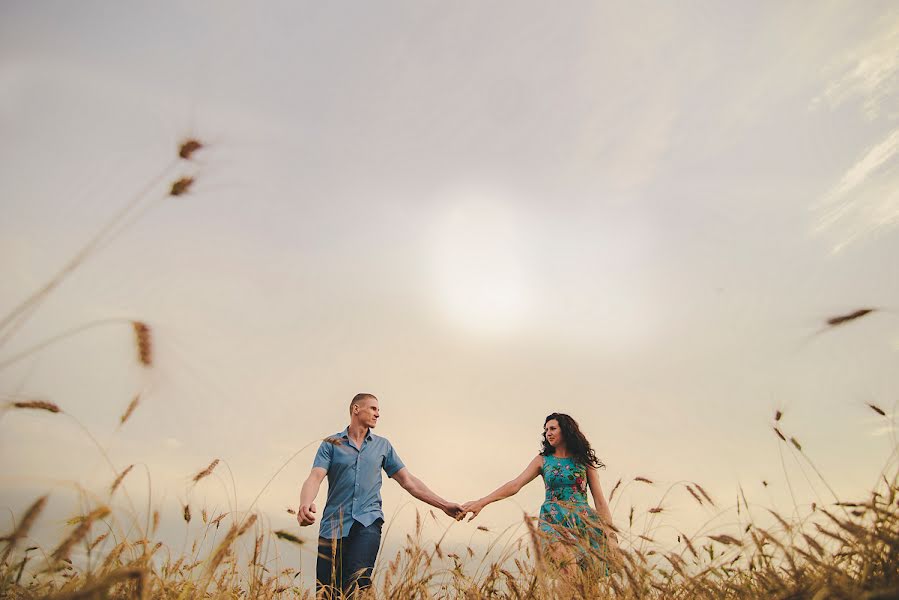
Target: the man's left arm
(417, 488)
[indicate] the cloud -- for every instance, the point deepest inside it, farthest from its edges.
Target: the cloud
(866, 199)
(870, 73)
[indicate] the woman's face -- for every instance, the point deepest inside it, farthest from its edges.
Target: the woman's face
(553, 433)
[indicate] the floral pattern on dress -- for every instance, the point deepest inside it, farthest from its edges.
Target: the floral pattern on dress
(565, 514)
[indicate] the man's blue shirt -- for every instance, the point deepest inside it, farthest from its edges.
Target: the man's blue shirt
(354, 481)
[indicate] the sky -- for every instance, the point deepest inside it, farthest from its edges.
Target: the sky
(641, 215)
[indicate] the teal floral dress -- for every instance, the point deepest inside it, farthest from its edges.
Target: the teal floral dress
(565, 515)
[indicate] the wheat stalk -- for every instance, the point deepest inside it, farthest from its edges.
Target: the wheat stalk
(24, 526)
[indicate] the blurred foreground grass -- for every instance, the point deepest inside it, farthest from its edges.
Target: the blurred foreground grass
(847, 549)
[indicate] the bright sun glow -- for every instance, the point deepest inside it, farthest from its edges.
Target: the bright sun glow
(480, 258)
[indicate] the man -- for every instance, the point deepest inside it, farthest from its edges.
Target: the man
(350, 531)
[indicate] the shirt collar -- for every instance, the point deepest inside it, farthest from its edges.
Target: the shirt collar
(346, 434)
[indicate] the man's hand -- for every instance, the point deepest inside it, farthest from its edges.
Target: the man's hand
(306, 514)
(454, 510)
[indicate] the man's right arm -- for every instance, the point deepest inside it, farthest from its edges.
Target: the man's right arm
(306, 512)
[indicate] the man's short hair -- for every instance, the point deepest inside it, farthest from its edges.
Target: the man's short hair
(359, 399)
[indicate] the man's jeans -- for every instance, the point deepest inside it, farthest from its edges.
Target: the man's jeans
(348, 562)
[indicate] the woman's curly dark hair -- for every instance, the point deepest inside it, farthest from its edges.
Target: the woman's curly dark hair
(575, 441)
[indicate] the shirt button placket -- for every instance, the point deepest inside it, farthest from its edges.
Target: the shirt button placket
(355, 482)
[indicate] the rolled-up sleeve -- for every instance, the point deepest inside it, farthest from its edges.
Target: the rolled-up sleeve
(323, 456)
(392, 462)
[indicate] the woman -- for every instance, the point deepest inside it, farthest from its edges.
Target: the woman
(568, 465)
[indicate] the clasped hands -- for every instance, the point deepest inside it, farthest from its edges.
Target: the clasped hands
(306, 512)
(459, 511)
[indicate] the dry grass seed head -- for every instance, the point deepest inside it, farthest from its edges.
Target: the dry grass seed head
(704, 493)
(612, 494)
(726, 540)
(781, 520)
(218, 520)
(101, 588)
(876, 409)
(678, 563)
(207, 471)
(696, 496)
(24, 525)
(131, 406)
(181, 186)
(289, 537)
(830, 534)
(222, 550)
(813, 544)
(62, 551)
(840, 319)
(257, 547)
(37, 405)
(249, 523)
(188, 147)
(114, 555)
(144, 340)
(854, 529)
(119, 478)
(689, 545)
(97, 541)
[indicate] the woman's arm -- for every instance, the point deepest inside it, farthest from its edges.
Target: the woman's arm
(507, 489)
(602, 507)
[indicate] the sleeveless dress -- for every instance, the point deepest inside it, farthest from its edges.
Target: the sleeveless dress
(565, 515)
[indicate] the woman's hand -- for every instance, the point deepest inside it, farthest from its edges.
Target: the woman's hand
(473, 507)
(614, 550)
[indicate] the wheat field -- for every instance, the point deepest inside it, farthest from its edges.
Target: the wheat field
(847, 549)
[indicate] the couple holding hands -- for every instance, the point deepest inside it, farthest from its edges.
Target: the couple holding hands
(350, 532)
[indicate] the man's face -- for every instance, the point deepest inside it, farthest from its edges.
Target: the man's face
(367, 412)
